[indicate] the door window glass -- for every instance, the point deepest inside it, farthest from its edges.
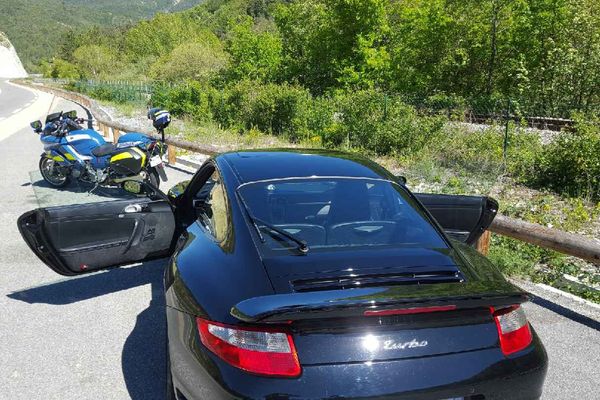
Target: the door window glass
(213, 214)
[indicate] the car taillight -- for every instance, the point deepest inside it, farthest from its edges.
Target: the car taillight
(513, 329)
(259, 351)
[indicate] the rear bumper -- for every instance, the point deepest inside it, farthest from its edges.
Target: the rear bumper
(197, 374)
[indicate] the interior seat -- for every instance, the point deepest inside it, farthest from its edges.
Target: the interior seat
(314, 235)
(361, 233)
(350, 203)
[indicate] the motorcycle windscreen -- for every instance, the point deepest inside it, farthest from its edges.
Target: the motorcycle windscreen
(77, 239)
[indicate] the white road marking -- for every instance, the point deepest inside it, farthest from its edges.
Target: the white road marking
(20, 118)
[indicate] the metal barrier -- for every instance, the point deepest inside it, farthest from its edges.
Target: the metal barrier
(564, 242)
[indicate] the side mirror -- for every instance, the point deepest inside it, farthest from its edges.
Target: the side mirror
(177, 190)
(134, 187)
(37, 126)
(71, 114)
(401, 179)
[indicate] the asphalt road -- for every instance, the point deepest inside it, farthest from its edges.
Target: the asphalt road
(95, 337)
(101, 336)
(13, 99)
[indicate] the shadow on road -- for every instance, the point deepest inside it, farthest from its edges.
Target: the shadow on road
(143, 358)
(75, 192)
(567, 313)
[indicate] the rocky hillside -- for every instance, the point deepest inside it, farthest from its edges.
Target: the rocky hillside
(10, 64)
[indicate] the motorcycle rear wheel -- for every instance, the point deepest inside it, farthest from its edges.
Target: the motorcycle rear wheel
(52, 174)
(153, 177)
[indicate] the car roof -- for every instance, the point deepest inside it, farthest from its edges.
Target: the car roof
(257, 165)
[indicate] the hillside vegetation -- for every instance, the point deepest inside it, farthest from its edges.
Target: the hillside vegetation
(545, 54)
(392, 79)
(350, 72)
(37, 27)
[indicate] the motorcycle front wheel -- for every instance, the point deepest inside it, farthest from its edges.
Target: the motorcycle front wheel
(52, 174)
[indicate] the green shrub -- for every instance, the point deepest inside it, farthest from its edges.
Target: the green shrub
(476, 152)
(320, 118)
(452, 106)
(516, 258)
(494, 104)
(60, 69)
(369, 120)
(200, 60)
(570, 165)
(192, 99)
(480, 150)
(271, 108)
(522, 152)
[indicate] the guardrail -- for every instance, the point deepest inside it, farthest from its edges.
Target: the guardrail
(564, 242)
(112, 129)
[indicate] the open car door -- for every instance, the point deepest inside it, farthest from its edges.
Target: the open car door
(463, 218)
(76, 239)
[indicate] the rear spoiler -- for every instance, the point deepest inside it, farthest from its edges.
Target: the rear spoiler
(281, 308)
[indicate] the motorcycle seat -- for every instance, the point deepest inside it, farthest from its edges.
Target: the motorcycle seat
(104, 150)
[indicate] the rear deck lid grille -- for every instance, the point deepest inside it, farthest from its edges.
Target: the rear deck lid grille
(350, 281)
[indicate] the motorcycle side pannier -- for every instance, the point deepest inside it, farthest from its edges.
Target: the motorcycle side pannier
(129, 161)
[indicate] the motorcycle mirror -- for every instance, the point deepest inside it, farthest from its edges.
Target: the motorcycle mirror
(36, 125)
(71, 114)
(178, 190)
(134, 187)
(401, 179)
(143, 189)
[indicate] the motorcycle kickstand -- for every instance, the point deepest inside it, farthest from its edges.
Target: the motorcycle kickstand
(96, 184)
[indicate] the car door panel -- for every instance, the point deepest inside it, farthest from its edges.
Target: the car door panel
(83, 238)
(463, 218)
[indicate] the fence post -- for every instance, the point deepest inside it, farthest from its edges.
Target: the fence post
(483, 243)
(506, 117)
(172, 155)
(116, 134)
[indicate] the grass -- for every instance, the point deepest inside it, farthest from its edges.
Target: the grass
(129, 110)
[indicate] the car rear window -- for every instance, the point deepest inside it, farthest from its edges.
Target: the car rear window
(339, 212)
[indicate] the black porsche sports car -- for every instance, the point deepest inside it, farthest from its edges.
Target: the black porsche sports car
(312, 275)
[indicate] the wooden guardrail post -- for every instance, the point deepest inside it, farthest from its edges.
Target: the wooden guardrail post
(116, 134)
(172, 155)
(549, 238)
(483, 243)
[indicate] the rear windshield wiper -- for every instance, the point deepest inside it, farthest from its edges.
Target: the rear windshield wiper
(302, 245)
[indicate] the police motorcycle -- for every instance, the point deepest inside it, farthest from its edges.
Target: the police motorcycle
(73, 152)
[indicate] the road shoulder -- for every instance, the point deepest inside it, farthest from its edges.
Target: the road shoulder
(21, 119)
